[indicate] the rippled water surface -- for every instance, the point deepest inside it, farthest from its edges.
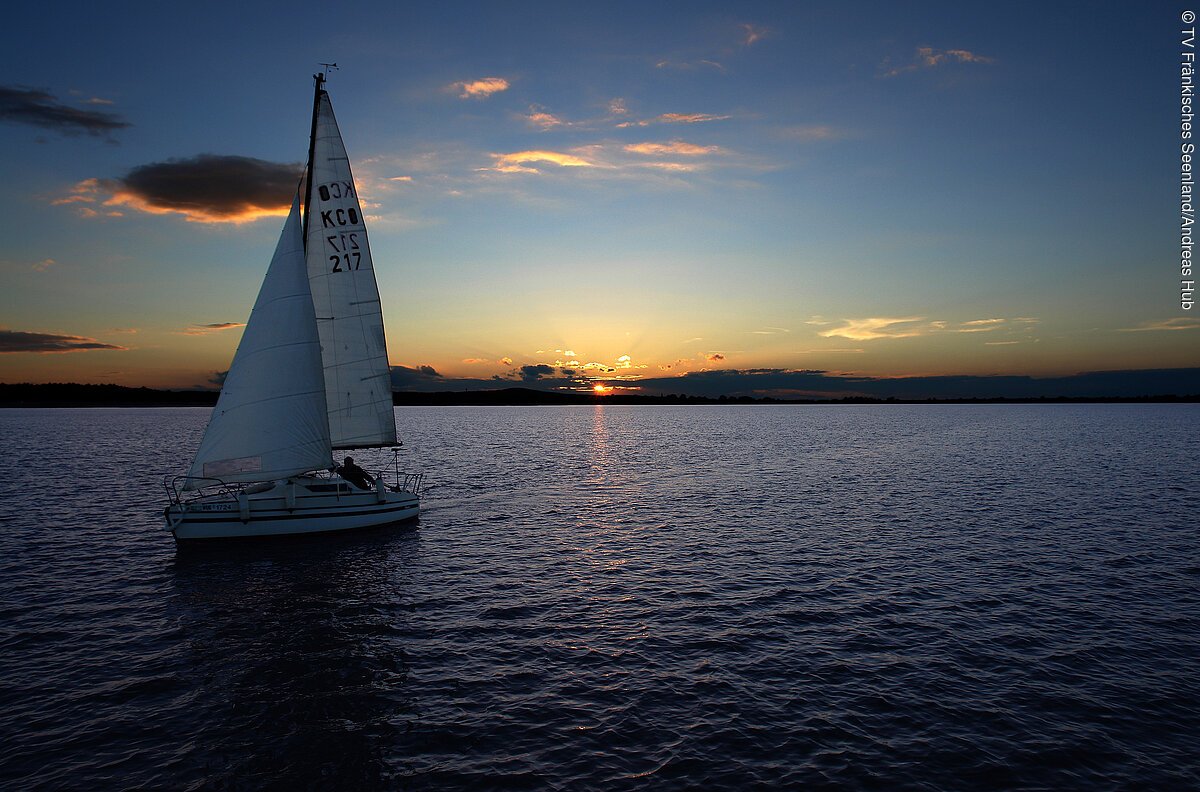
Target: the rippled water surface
(860, 597)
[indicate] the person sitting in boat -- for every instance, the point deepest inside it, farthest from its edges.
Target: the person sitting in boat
(355, 475)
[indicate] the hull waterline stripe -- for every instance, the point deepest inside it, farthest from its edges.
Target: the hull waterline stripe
(232, 517)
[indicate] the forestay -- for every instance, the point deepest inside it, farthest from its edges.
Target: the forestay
(346, 296)
(270, 421)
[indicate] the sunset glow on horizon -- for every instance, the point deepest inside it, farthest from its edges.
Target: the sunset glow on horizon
(607, 197)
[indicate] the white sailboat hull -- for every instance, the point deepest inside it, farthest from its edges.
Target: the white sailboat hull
(288, 508)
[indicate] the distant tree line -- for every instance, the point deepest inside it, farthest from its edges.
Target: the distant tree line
(70, 394)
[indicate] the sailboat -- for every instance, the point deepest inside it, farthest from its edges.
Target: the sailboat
(310, 377)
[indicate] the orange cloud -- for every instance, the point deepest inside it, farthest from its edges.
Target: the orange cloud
(196, 214)
(86, 191)
(676, 118)
(543, 120)
(689, 118)
(981, 325)
(678, 167)
(1178, 323)
(876, 327)
(515, 162)
(929, 58)
(480, 89)
(674, 147)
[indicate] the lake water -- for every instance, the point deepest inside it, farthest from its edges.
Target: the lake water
(856, 597)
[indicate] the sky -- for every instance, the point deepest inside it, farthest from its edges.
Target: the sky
(622, 194)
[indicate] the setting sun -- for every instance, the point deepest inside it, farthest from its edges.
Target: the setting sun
(601, 390)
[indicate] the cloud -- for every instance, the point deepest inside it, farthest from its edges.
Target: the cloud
(209, 188)
(1178, 323)
(800, 384)
(538, 117)
(39, 108)
(12, 341)
(505, 361)
(86, 191)
(536, 372)
(473, 361)
(422, 377)
(715, 356)
(929, 58)
(981, 326)
(752, 34)
(209, 329)
(44, 264)
(876, 327)
(701, 63)
(676, 118)
(480, 89)
(808, 133)
(770, 331)
(515, 162)
(688, 118)
(674, 147)
(218, 378)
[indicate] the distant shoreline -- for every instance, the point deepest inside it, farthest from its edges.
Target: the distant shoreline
(60, 395)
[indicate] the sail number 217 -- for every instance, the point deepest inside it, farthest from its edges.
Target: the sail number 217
(348, 256)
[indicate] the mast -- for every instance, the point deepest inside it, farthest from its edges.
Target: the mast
(319, 80)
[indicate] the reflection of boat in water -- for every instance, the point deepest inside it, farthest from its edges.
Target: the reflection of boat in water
(289, 665)
(310, 376)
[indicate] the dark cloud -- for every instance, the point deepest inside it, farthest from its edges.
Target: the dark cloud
(38, 108)
(211, 187)
(218, 378)
(44, 343)
(536, 372)
(421, 378)
(215, 327)
(788, 384)
(424, 379)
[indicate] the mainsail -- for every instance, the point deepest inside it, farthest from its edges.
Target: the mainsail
(270, 421)
(344, 292)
